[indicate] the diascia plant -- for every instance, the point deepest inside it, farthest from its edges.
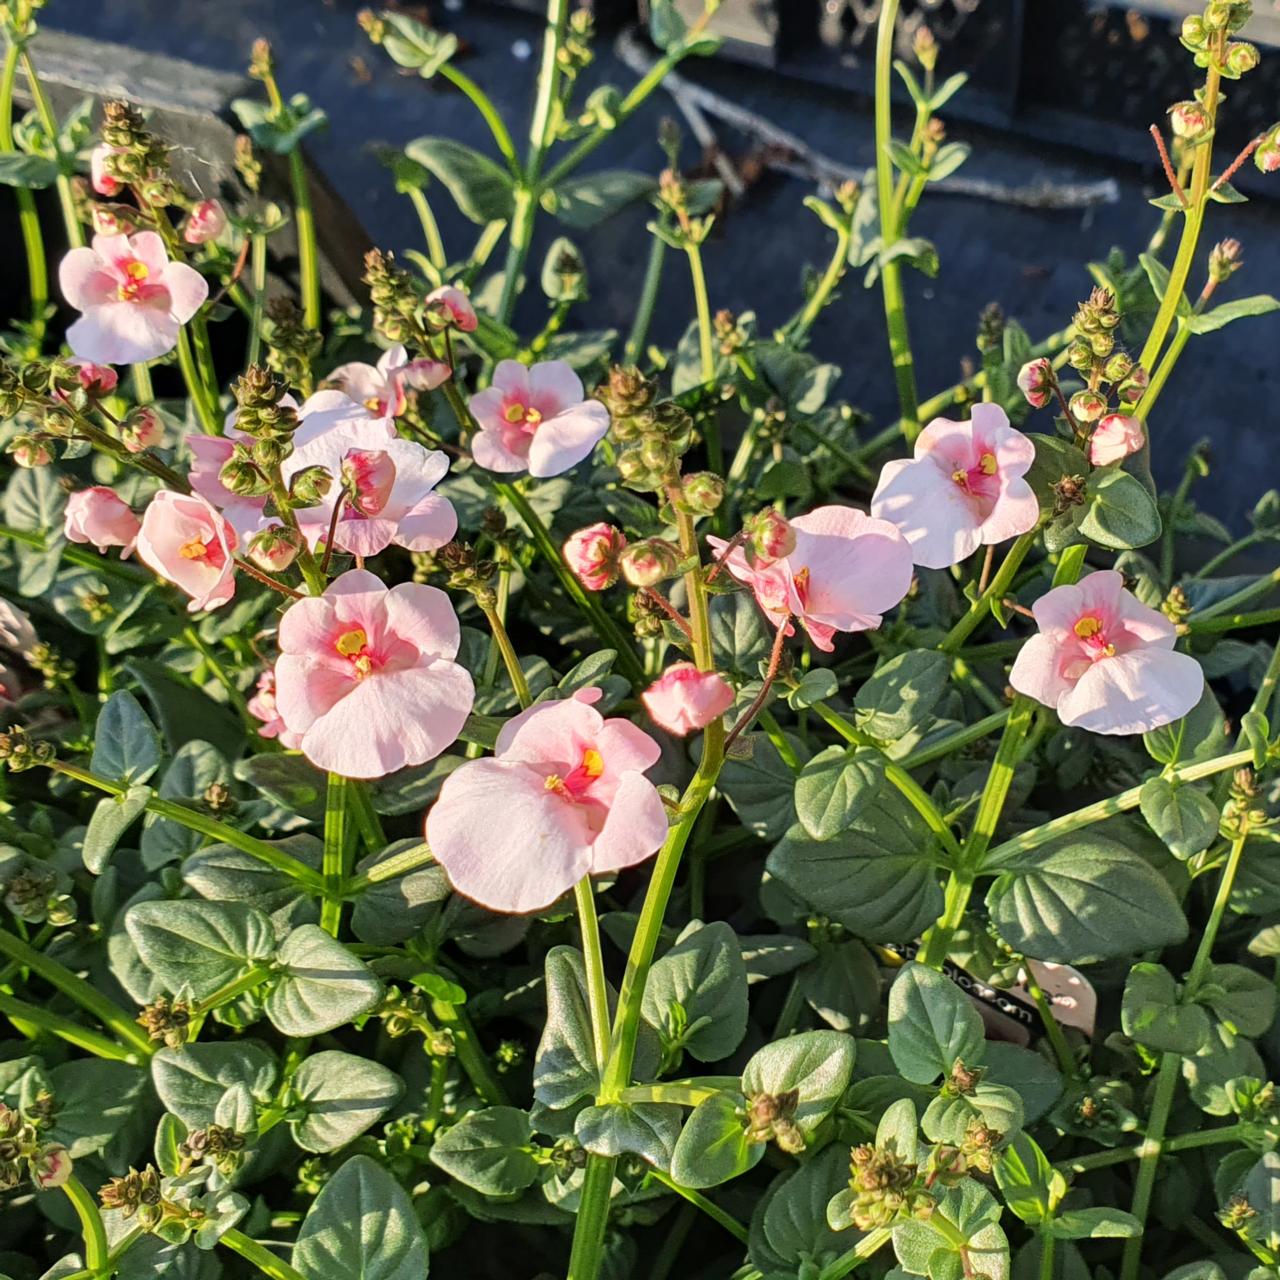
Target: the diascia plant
(573, 807)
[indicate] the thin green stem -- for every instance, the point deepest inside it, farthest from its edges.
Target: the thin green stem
(996, 590)
(639, 334)
(258, 272)
(308, 259)
(334, 864)
(366, 816)
(597, 992)
(400, 864)
(66, 164)
(261, 1257)
(696, 1198)
(1216, 562)
(956, 741)
(523, 215)
(1052, 1028)
(826, 286)
(65, 1029)
(1257, 588)
(1234, 621)
(1047, 1243)
(471, 1057)
(1182, 1142)
(706, 350)
(430, 232)
(196, 388)
(484, 104)
(97, 1253)
(1163, 370)
(855, 1257)
(88, 997)
(204, 359)
(1189, 473)
(142, 389)
(510, 659)
(592, 1219)
(28, 215)
(235, 988)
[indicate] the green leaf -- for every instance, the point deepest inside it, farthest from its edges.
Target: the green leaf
(1259, 304)
(947, 1119)
(1153, 1014)
(1158, 276)
(1211, 1074)
(713, 1146)
(195, 767)
(833, 787)
(1055, 460)
(968, 1218)
(1245, 1001)
(1261, 1188)
(198, 946)
(482, 190)
(1084, 898)
(815, 686)
(649, 1130)
(842, 986)
(948, 89)
(1120, 514)
(186, 713)
(915, 251)
(126, 747)
(947, 160)
(362, 1226)
(112, 817)
(739, 637)
(490, 1151)
(192, 1080)
(903, 159)
(1028, 1182)
(900, 695)
(790, 1227)
(18, 169)
(704, 976)
(342, 1095)
(279, 131)
(932, 1025)
(319, 985)
(588, 201)
(34, 502)
(95, 1101)
(818, 1065)
(390, 912)
(1095, 1224)
(759, 790)
(410, 43)
(1200, 734)
(1183, 816)
(667, 29)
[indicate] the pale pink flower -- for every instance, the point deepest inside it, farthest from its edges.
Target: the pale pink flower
(209, 455)
(262, 706)
(380, 389)
(1035, 381)
(570, 788)
(1105, 661)
(535, 419)
(1114, 439)
(846, 571)
(683, 699)
(98, 380)
(330, 409)
(207, 221)
(366, 676)
(386, 491)
(101, 181)
(99, 516)
(133, 298)
(448, 307)
(592, 553)
(16, 631)
(184, 539)
(962, 490)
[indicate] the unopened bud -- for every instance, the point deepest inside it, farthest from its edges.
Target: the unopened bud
(1087, 406)
(593, 554)
(925, 46)
(372, 25)
(207, 221)
(1035, 381)
(1224, 258)
(142, 429)
(702, 492)
(274, 549)
(645, 564)
(242, 477)
(51, 1167)
(1242, 57)
(29, 452)
(1267, 156)
(310, 486)
(770, 537)
(1189, 120)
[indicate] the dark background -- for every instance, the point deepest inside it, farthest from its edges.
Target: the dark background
(1029, 260)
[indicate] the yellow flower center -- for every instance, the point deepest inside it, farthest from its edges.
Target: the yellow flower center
(592, 763)
(193, 550)
(373, 404)
(137, 273)
(554, 782)
(987, 464)
(514, 413)
(351, 643)
(1087, 627)
(522, 414)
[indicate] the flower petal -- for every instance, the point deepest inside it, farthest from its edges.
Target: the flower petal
(563, 441)
(1133, 692)
(635, 828)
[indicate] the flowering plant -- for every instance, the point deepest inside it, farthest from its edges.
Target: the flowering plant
(457, 777)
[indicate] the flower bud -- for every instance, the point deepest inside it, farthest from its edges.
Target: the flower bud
(450, 308)
(368, 476)
(1267, 156)
(310, 486)
(1118, 367)
(51, 1167)
(242, 477)
(925, 46)
(702, 493)
(1224, 259)
(142, 429)
(270, 451)
(1189, 120)
(1242, 57)
(770, 537)
(645, 564)
(27, 451)
(275, 548)
(1088, 406)
(1036, 382)
(98, 380)
(1133, 388)
(1114, 439)
(207, 221)
(593, 553)
(684, 699)
(1193, 31)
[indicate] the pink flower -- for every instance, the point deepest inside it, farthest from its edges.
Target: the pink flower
(1035, 381)
(330, 409)
(380, 389)
(98, 516)
(133, 298)
(366, 676)
(683, 698)
(101, 181)
(574, 801)
(16, 631)
(592, 553)
(262, 706)
(847, 569)
(964, 488)
(535, 419)
(1105, 661)
(1114, 439)
(210, 454)
(207, 221)
(448, 307)
(386, 491)
(184, 539)
(98, 380)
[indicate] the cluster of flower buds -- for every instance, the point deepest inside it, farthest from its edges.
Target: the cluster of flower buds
(961, 1081)
(291, 346)
(651, 436)
(264, 416)
(247, 164)
(509, 1055)
(1243, 811)
(731, 337)
(23, 1154)
(567, 1157)
(467, 572)
(1208, 36)
(19, 752)
(771, 1117)
(217, 1146)
(678, 228)
(166, 1022)
(1266, 156)
(136, 1194)
(1237, 1214)
(887, 1188)
(35, 892)
(405, 1011)
(52, 666)
(1096, 321)
(397, 304)
(575, 54)
(700, 494)
(133, 156)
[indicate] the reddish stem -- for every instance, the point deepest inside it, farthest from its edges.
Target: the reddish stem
(668, 608)
(1230, 171)
(1168, 167)
(775, 656)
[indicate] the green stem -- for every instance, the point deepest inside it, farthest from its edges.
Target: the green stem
(334, 864)
(92, 1001)
(510, 659)
(207, 826)
(72, 1032)
(28, 215)
(1257, 588)
(484, 104)
(597, 992)
(856, 1256)
(826, 286)
(97, 1253)
(592, 1219)
(524, 210)
(680, 1094)
(711, 423)
(891, 270)
(235, 988)
(1234, 621)
(1182, 1142)
(1047, 1243)
(308, 259)
(956, 741)
(258, 268)
(400, 864)
(430, 231)
(366, 816)
(234, 695)
(261, 1257)
(199, 394)
(1207, 569)
(66, 164)
(142, 389)
(712, 1210)
(471, 1057)
(204, 360)
(639, 334)
(996, 590)
(1162, 371)
(1052, 1028)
